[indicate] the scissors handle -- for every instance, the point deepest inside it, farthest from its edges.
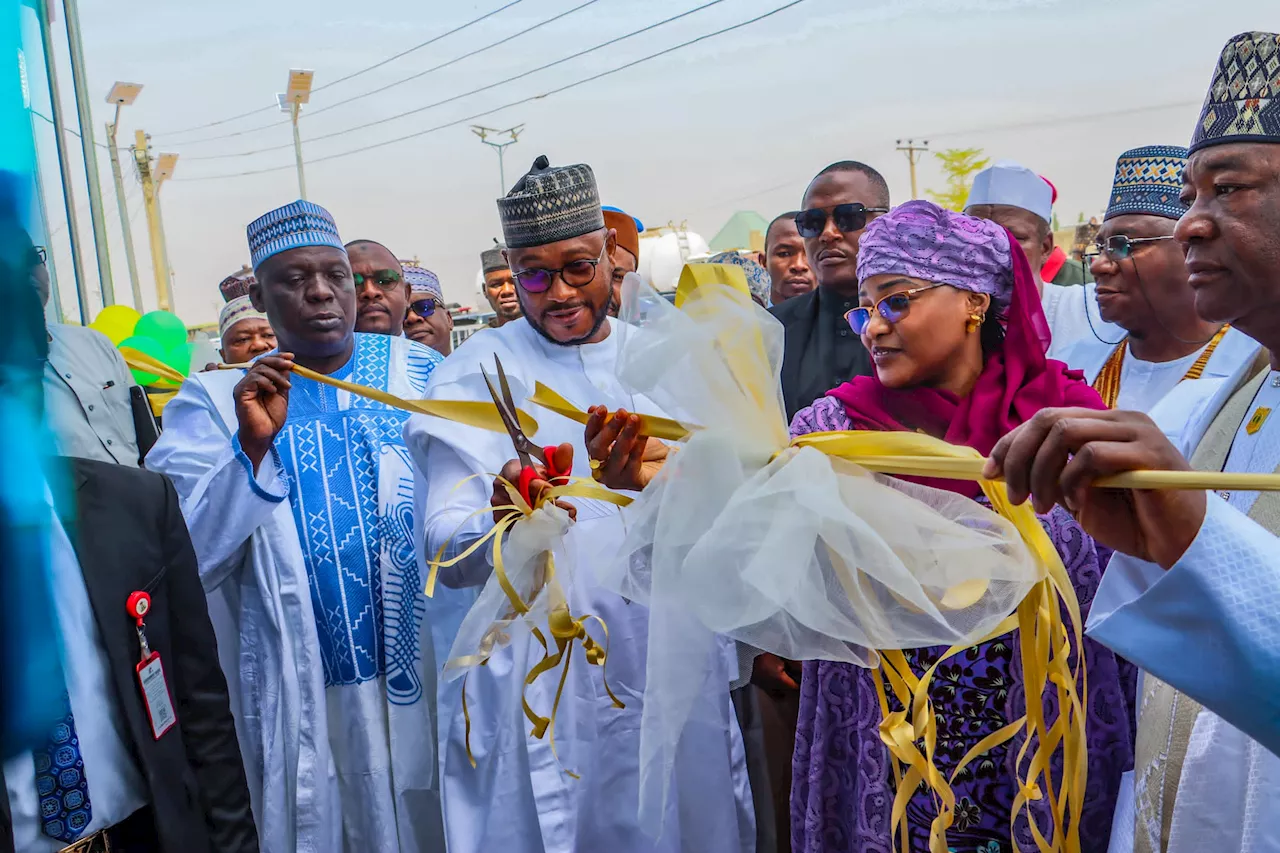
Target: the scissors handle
(554, 475)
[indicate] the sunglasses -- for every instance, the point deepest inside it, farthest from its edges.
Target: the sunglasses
(424, 308)
(848, 217)
(575, 274)
(386, 279)
(1120, 247)
(892, 308)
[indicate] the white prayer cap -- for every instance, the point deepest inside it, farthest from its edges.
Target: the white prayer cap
(1013, 184)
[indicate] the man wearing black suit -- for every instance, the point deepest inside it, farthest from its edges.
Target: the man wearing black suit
(105, 781)
(820, 350)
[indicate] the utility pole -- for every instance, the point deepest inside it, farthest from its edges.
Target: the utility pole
(81, 85)
(500, 147)
(64, 163)
(913, 157)
(123, 94)
(151, 180)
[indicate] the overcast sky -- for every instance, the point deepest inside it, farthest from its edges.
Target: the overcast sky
(740, 121)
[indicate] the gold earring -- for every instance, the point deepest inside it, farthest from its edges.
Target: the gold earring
(975, 320)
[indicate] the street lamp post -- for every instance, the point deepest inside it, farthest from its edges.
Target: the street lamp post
(45, 14)
(297, 94)
(79, 81)
(500, 147)
(122, 95)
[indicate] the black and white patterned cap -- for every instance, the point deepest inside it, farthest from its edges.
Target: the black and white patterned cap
(549, 204)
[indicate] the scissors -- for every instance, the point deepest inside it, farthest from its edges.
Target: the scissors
(526, 450)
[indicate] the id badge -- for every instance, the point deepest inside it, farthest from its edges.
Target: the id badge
(155, 695)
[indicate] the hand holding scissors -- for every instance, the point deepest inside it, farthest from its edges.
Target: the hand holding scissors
(535, 469)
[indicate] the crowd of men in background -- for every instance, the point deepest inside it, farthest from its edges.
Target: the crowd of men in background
(295, 521)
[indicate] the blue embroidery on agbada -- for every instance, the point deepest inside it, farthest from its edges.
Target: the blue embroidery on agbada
(366, 589)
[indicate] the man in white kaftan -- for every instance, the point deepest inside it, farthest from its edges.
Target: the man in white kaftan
(519, 797)
(1171, 625)
(1142, 289)
(305, 548)
(1192, 599)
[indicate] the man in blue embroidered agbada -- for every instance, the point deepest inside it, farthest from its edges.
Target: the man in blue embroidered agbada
(299, 501)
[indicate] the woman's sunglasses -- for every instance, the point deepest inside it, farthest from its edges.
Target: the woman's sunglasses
(424, 308)
(848, 217)
(575, 274)
(892, 308)
(1120, 247)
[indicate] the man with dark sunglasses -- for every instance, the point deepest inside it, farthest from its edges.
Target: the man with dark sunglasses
(428, 321)
(382, 294)
(1143, 292)
(517, 799)
(821, 351)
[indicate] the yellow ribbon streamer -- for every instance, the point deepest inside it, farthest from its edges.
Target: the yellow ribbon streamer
(468, 412)
(1045, 646)
(565, 629)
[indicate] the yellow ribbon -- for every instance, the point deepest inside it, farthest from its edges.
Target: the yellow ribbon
(565, 629)
(1045, 646)
(468, 412)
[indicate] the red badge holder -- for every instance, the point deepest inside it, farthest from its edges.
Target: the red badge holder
(150, 670)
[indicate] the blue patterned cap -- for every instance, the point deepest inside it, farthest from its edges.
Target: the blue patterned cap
(1148, 180)
(1243, 104)
(294, 226)
(423, 282)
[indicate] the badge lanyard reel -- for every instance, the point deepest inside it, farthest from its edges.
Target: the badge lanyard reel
(155, 689)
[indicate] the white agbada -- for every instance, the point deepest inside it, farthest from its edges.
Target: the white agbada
(1208, 627)
(336, 725)
(1143, 384)
(519, 799)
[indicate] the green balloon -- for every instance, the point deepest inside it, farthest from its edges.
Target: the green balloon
(163, 327)
(179, 358)
(146, 346)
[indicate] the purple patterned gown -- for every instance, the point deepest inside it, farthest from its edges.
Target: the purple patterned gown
(842, 790)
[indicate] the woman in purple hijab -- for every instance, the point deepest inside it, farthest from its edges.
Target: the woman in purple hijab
(951, 317)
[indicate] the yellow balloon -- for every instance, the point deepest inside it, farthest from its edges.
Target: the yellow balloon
(116, 322)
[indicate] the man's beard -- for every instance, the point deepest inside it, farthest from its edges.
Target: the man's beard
(602, 316)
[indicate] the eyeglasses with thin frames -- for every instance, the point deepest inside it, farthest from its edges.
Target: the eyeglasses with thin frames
(1120, 247)
(578, 273)
(892, 308)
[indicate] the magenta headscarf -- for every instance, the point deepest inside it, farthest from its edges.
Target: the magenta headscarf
(921, 240)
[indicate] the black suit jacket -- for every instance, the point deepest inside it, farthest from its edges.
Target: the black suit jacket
(820, 351)
(129, 534)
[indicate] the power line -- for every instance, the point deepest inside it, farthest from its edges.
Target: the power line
(354, 74)
(546, 94)
(459, 97)
(420, 74)
(1051, 121)
(69, 130)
